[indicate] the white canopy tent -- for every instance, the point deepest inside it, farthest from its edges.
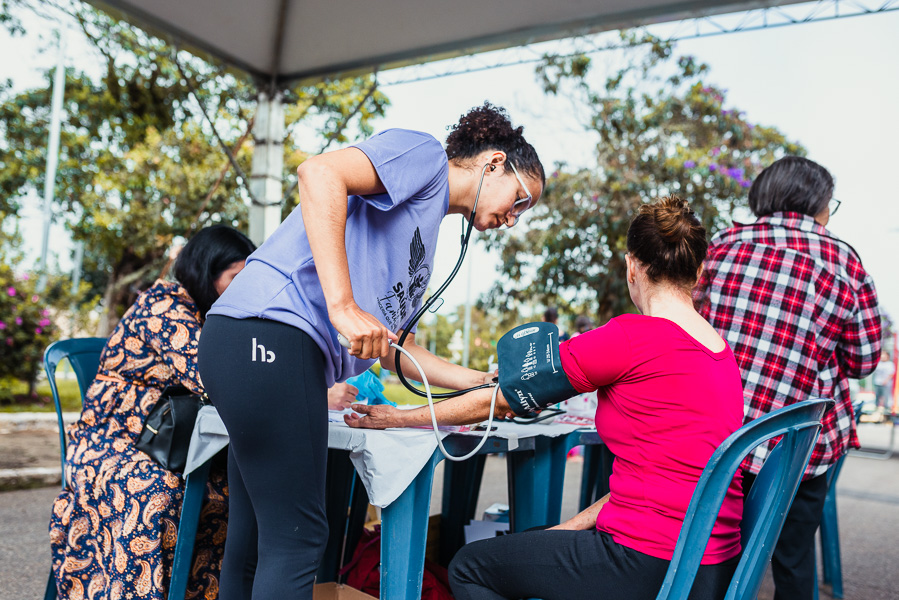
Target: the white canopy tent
(279, 42)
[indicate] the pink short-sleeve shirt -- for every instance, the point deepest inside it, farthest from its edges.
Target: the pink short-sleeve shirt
(665, 404)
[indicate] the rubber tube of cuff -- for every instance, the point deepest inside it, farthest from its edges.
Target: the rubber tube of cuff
(424, 380)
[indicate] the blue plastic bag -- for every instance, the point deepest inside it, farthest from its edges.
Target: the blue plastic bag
(370, 388)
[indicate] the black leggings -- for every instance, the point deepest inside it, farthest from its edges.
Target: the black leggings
(569, 565)
(267, 381)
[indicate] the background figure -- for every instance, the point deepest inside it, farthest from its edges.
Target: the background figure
(114, 527)
(582, 324)
(551, 315)
(800, 312)
(883, 379)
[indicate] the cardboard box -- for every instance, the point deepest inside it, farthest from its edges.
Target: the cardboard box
(335, 591)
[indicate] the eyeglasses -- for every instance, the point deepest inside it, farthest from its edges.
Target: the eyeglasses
(833, 205)
(522, 204)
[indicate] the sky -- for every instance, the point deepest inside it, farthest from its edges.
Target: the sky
(832, 86)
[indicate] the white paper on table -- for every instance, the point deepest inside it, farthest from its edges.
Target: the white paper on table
(482, 530)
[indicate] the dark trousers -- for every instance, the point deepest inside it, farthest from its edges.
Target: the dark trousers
(569, 565)
(266, 380)
(793, 563)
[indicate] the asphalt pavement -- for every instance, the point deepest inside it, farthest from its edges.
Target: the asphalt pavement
(867, 497)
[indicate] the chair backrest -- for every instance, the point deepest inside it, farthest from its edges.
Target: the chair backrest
(765, 507)
(83, 355)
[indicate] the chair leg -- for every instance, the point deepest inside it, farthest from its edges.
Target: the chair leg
(194, 491)
(50, 592)
(815, 590)
(830, 544)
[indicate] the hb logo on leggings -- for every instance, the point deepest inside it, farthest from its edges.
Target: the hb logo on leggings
(263, 355)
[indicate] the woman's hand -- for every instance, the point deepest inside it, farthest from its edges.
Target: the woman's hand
(380, 416)
(585, 519)
(341, 396)
(367, 336)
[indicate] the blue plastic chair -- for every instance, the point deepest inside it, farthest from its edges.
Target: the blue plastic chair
(832, 573)
(830, 535)
(83, 355)
(766, 506)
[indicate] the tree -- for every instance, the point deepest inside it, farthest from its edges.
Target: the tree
(661, 129)
(139, 164)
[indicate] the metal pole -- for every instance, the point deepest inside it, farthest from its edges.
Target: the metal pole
(267, 173)
(59, 83)
(76, 280)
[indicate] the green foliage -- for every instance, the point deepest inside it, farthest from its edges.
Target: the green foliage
(398, 393)
(139, 164)
(661, 129)
(8, 18)
(42, 400)
(25, 329)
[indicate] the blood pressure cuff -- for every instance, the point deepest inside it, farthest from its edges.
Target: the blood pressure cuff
(530, 369)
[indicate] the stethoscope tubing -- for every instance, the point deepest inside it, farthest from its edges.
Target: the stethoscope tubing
(427, 386)
(430, 302)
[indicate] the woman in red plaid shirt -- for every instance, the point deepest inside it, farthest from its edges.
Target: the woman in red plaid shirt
(800, 313)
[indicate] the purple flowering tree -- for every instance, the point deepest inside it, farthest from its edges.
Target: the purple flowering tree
(662, 129)
(26, 329)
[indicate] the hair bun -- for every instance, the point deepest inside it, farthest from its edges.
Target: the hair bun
(668, 238)
(672, 216)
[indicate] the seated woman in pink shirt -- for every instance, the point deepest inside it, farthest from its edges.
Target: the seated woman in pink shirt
(669, 393)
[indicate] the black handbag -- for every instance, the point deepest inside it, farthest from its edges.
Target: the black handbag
(168, 428)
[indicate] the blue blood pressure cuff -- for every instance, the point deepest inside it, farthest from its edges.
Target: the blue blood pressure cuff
(530, 369)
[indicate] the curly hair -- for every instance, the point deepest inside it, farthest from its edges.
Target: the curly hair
(488, 127)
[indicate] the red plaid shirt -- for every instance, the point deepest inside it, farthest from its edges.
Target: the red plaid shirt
(800, 313)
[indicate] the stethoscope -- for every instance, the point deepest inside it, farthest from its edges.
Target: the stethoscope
(547, 413)
(424, 378)
(433, 300)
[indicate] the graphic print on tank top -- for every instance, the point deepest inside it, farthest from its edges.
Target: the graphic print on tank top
(396, 305)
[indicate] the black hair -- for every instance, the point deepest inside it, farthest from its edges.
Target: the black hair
(668, 238)
(583, 324)
(488, 127)
(791, 184)
(206, 256)
(551, 315)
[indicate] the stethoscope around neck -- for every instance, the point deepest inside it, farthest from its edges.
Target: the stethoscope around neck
(398, 346)
(435, 297)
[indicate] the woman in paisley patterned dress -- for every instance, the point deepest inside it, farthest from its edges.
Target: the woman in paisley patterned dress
(113, 528)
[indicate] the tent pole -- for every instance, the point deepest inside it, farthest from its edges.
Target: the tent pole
(59, 84)
(267, 174)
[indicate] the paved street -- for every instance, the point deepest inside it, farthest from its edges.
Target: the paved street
(868, 498)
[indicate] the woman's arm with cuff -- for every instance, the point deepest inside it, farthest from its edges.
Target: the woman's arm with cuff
(472, 407)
